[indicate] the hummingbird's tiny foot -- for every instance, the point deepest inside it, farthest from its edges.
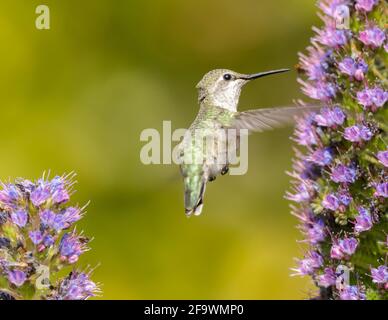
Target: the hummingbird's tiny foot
(211, 179)
(224, 170)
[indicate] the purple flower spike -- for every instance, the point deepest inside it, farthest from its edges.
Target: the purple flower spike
(343, 174)
(380, 274)
(331, 202)
(327, 279)
(342, 152)
(363, 220)
(373, 37)
(381, 190)
(17, 277)
(383, 157)
(19, 218)
(365, 5)
(36, 236)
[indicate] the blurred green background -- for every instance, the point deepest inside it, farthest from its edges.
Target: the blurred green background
(77, 96)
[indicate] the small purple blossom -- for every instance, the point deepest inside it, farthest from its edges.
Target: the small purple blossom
(302, 193)
(330, 7)
(330, 117)
(365, 5)
(72, 214)
(48, 240)
(332, 37)
(330, 202)
(343, 174)
(77, 287)
(312, 261)
(373, 37)
(316, 232)
(47, 217)
(343, 248)
(335, 252)
(363, 220)
(382, 156)
(321, 90)
(327, 279)
(17, 277)
(375, 97)
(305, 132)
(19, 218)
(36, 236)
(380, 274)
(352, 293)
(344, 197)
(357, 133)
(59, 222)
(40, 195)
(71, 247)
(9, 195)
(379, 96)
(321, 157)
(315, 64)
(381, 190)
(58, 190)
(353, 68)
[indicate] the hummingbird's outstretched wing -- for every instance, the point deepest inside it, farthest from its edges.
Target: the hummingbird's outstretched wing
(259, 120)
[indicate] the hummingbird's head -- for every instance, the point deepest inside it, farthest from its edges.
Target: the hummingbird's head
(222, 87)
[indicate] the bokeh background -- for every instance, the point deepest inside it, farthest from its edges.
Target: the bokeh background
(77, 96)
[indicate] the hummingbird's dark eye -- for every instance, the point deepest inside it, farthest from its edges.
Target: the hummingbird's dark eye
(227, 76)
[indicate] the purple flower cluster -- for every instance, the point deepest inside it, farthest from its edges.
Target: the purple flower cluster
(36, 220)
(340, 180)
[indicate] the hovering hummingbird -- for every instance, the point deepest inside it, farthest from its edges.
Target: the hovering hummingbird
(218, 96)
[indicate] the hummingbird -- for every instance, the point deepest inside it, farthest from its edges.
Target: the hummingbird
(218, 96)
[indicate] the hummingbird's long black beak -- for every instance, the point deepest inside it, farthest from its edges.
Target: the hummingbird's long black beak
(263, 74)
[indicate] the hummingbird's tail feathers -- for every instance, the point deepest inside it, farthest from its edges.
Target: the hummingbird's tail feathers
(194, 193)
(259, 120)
